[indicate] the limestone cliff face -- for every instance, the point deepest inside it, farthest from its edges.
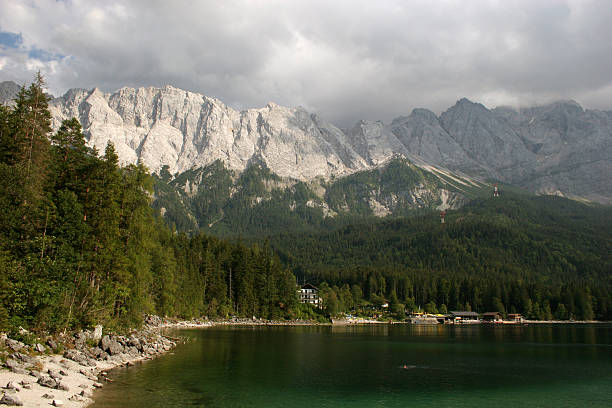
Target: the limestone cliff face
(8, 91)
(553, 149)
(185, 130)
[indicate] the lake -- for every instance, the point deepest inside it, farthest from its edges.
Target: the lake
(375, 366)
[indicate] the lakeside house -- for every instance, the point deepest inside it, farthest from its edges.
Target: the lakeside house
(492, 317)
(310, 294)
(515, 317)
(463, 317)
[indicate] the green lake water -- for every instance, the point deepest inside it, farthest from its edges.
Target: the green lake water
(363, 366)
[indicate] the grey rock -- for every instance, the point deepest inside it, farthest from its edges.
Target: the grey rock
(23, 358)
(111, 346)
(77, 398)
(55, 374)
(11, 385)
(559, 148)
(133, 341)
(39, 347)
(10, 364)
(76, 356)
(57, 403)
(86, 373)
(14, 344)
(99, 353)
(97, 333)
(11, 400)
(48, 396)
(46, 381)
(62, 387)
(52, 343)
(185, 130)
(8, 92)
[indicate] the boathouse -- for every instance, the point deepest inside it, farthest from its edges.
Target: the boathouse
(515, 317)
(459, 317)
(492, 317)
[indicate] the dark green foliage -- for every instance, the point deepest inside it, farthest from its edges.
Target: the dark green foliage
(540, 256)
(259, 203)
(392, 184)
(80, 244)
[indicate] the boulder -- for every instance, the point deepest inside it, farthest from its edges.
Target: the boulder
(54, 374)
(39, 347)
(11, 400)
(114, 348)
(47, 381)
(10, 364)
(52, 343)
(77, 398)
(23, 357)
(134, 342)
(48, 396)
(57, 403)
(11, 385)
(85, 372)
(62, 387)
(97, 333)
(76, 356)
(14, 344)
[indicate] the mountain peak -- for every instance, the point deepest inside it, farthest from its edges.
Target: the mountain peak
(8, 91)
(535, 148)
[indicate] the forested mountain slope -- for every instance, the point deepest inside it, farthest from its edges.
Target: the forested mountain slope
(514, 251)
(258, 202)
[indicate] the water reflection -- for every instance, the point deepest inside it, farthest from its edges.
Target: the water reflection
(384, 365)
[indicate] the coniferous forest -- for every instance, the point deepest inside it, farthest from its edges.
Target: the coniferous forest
(544, 257)
(81, 244)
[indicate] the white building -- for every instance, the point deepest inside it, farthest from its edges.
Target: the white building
(310, 294)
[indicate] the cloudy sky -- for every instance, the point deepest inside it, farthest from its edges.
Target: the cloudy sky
(345, 60)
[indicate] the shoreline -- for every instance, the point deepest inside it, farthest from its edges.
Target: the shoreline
(43, 375)
(37, 379)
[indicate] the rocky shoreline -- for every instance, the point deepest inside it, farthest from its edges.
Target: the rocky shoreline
(66, 371)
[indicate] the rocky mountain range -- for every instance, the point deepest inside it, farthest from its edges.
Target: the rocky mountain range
(559, 148)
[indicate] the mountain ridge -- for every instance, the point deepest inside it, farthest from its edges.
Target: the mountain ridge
(558, 148)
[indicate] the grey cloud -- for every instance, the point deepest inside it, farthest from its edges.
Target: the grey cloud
(344, 60)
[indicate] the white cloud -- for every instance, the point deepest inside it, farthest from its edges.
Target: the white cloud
(345, 59)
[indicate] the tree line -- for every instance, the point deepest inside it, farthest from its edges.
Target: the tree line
(544, 257)
(80, 243)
